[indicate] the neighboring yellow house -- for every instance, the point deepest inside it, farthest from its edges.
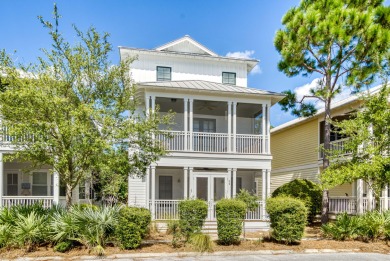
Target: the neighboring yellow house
(295, 150)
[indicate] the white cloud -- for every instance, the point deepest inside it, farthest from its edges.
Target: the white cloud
(305, 90)
(247, 54)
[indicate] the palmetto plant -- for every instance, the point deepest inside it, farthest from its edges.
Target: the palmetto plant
(29, 230)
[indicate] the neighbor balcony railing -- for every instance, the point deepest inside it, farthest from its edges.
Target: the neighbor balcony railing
(337, 146)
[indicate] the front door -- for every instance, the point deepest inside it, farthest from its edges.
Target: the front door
(211, 188)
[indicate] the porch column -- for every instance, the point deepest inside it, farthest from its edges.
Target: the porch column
(56, 188)
(147, 189)
(1, 179)
(268, 183)
(153, 111)
(228, 184)
(359, 196)
(153, 178)
(185, 182)
(185, 123)
(234, 189)
(234, 125)
(385, 198)
(192, 183)
(191, 122)
(369, 199)
(229, 142)
(268, 131)
(147, 105)
(263, 129)
(264, 185)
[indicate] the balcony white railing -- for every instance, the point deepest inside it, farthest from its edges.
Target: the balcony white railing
(169, 210)
(213, 142)
(9, 201)
(342, 204)
(336, 146)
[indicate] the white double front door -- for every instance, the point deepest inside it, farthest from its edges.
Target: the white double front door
(210, 186)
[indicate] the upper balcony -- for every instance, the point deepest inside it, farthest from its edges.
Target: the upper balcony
(209, 126)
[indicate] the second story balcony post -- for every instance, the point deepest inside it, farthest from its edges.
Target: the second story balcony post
(263, 129)
(234, 126)
(185, 123)
(229, 141)
(268, 133)
(191, 123)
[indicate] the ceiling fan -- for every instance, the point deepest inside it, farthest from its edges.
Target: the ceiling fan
(206, 105)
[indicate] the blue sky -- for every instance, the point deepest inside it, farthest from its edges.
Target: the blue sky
(222, 25)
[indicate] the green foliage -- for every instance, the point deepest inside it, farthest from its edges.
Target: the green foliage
(230, 215)
(63, 247)
(174, 230)
(78, 112)
(192, 213)
(367, 227)
(128, 234)
(29, 230)
(132, 226)
(345, 227)
(288, 218)
(201, 242)
(369, 127)
(249, 199)
(307, 191)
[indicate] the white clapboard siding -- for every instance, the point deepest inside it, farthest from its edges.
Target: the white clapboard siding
(280, 178)
(137, 191)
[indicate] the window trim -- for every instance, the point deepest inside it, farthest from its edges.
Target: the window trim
(170, 73)
(235, 78)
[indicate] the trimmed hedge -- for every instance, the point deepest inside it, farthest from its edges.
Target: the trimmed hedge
(288, 218)
(132, 226)
(192, 213)
(230, 215)
(307, 191)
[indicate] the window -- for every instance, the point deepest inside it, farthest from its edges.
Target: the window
(238, 184)
(204, 125)
(165, 187)
(12, 184)
(229, 78)
(164, 73)
(39, 184)
(62, 188)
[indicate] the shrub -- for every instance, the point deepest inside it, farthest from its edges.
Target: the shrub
(345, 227)
(64, 246)
(29, 230)
(132, 226)
(128, 234)
(201, 242)
(230, 215)
(139, 216)
(371, 225)
(288, 218)
(309, 192)
(192, 215)
(173, 228)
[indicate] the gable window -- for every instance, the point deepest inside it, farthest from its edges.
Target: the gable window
(229, 78)
(165, 187)
(164, 73)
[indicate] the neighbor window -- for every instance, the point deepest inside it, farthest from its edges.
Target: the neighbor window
(229, 78)
(39, 184)
(164, 73)
(12, 184)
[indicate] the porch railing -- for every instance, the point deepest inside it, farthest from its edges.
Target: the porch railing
(169, 209)
(336, 146)
(213, 142)
(9, 201)
(342, 204)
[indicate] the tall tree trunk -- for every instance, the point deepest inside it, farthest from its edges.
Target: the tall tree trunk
(68, 195)
(325, 160)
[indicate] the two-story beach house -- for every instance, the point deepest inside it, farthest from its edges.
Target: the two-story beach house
(220, 140)
(297, 154)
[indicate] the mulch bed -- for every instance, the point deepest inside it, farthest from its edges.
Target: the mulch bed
(312, 241)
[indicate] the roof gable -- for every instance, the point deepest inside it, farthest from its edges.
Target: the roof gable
(186, 45)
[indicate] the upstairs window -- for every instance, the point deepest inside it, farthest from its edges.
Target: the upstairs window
(164, 73)
(229, 78)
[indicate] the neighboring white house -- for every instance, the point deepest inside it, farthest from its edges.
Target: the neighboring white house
(220, 140)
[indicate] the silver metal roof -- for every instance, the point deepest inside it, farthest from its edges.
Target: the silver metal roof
(208, 86)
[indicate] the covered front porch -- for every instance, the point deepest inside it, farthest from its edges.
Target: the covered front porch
(167, 186)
